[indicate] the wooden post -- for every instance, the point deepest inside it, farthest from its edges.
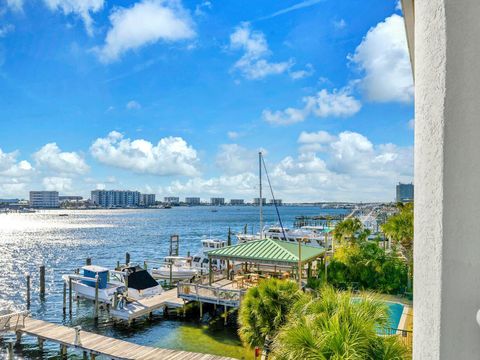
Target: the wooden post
(225, 312)
(127, 258)
(184, 309)
(85, 355)
(64, 298)
(97, 280)
(115, 300)
(40, 344)
(210, 273)
(63, 351)
(18, 337)
(42, 281)
(10, 350)
(93, 356)
(201, 310)
(118, 265)
(88, 261)
(145, 265)
(70, 295)
(171, 275)
(28, 291)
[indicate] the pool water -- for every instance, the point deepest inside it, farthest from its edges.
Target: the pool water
(396, 311)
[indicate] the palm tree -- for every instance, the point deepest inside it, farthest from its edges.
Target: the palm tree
(264, 310)
(347, 230)
(335, 326)
(399, 229)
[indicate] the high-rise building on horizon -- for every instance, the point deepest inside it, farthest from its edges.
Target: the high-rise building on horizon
(192, 200)
(217, 201)
(171, 200)
(404, 192)
(237, 202)
(147, 199)
(256, 201)
(44, 199)
(278, 202)
(115, 198)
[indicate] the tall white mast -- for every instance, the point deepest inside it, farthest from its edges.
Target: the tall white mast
(261, 199)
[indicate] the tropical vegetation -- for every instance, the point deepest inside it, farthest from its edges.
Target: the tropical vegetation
(324, 324)
(399, 229)
(364, 264)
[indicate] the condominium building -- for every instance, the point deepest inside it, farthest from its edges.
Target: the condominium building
(237, 202)
(256, 201)
(115, 198)
(277, 202)
(192, 200)
(172, 200)
(147, 199)
(404, 192)
(217, 201)
(70, 198)
(44, 199)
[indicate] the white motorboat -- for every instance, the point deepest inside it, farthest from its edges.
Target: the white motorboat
(176, 267)
(200, 260)
(131, 281)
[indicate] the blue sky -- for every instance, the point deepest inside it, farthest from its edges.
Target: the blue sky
(177, 97)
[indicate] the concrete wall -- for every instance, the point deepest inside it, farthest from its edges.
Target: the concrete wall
(447, 179)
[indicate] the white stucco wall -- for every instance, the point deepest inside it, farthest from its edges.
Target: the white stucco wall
(447, 179)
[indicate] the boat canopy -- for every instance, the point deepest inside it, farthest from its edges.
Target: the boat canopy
(138, 278)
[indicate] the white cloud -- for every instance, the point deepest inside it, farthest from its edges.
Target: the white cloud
(298, 6)
(56, 183)
(200, 8)
(253, 64)
(340, 24)
(52, 159)
(323, 104)
(5, 29)
(411, 124)
(234, 159)
(170, 156)
(233, 135)
(14, 174)
(301, 74)
(133, 105)
(398, 5)
(82, 8)
(146, 22)
(383, 57)
(349, 167)
(15, 5)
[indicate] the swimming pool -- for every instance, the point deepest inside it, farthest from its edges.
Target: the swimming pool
(396, 311)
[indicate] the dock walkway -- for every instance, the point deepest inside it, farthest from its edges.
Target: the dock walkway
(97, 345)
(142, 307)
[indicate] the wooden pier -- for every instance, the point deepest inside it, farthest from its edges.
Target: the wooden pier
(142, 307)
(95, 345)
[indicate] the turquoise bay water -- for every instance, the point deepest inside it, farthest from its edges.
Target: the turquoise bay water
(63, 243)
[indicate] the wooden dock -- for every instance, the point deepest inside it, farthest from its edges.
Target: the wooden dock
(96, 345)
(146, 306)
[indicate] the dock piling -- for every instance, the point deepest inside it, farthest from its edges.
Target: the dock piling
(10, 350)
(96, 297)
(70, 295)
(88, 261)
(127, 258)
(42, 281)
(28, 291)
(40, 344)
(64, 298)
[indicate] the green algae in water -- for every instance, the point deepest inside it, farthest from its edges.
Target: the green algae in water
(205, 339)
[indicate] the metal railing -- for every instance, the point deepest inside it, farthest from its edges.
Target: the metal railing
(405, 336)
(13, 321)
(210, 294)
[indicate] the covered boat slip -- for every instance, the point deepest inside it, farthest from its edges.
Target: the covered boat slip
(250, 262)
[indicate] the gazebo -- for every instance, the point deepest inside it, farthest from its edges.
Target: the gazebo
(269, 252)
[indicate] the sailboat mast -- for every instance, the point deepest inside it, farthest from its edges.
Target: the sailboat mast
(260, 200)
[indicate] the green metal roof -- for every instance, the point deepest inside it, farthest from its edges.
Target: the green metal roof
(267, 250)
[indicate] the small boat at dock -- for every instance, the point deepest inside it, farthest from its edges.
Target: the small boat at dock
(131, 281)
(175, 267)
